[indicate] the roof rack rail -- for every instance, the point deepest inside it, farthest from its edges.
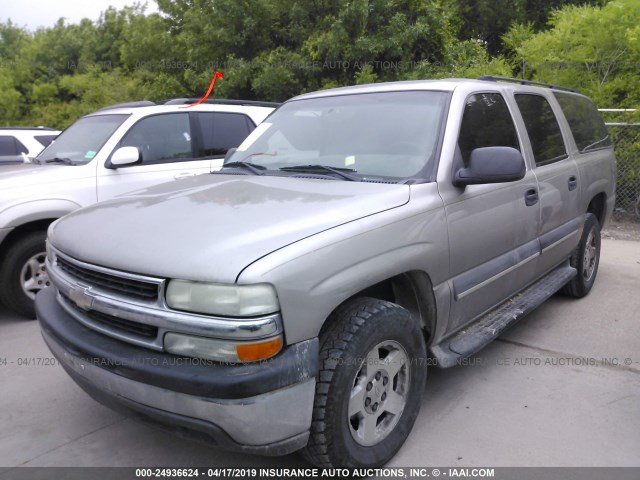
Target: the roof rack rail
(190, 101)
(29, 128)
(491, 78)
(141, 103)
(220, 101)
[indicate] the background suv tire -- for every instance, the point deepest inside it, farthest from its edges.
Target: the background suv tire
(22, 273)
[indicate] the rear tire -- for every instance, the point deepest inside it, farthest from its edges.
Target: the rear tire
(22, 273)
(585, 259)
(370, 385)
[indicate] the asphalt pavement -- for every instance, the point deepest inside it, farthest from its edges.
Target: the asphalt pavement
(562, 388)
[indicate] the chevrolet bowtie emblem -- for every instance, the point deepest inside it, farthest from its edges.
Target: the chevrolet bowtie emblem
(81, 297)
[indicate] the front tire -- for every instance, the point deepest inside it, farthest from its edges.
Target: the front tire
(370, 384)
(585, 259)
(23, 273)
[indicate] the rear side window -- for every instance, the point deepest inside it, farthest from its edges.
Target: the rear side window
(543, 129)
(587, 127)
(45, 140)
(486, 122)
(221, 131)
(20, 147)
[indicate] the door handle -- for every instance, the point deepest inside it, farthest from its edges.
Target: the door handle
(184, 175)
(531, 197)
(573, 182)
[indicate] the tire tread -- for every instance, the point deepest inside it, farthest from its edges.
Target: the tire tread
(343, 326)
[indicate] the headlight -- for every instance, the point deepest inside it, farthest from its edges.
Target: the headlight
(221, 350)
(222, 299)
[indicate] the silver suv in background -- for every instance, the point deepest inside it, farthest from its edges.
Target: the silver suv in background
(108, 153)
(22, 144)
(293, 299)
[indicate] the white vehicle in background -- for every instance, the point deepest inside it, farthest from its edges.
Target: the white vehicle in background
(111, 152)
(22, 144)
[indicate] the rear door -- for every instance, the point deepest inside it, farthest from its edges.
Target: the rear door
(558, 180)
(493, 228)
(220, 131)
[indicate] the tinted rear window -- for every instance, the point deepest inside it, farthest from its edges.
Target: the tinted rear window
(45, 140)
(542, 127)
(221, 131)
(588, 129)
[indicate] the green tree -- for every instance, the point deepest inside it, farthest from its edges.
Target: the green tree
(487, 20)
(593, 49)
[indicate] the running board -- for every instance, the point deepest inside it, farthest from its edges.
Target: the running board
(476, 336)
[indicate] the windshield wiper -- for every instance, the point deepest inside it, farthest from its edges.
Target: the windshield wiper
(65, 161)
(340, 171)
(252, 167)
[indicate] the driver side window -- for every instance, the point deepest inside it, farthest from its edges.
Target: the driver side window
(161, 138)
(486, 122)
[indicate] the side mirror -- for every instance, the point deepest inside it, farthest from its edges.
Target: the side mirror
(125, 156)
(491, 165)
(229, 154)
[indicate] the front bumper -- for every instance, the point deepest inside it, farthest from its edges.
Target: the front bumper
(262, 408)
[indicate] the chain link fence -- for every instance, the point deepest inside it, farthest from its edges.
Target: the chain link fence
(625, 133)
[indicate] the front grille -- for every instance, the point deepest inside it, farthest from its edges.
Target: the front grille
(114, 323)
(126, 286)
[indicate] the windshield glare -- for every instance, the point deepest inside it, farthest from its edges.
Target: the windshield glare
(82, 140)
(390, 134)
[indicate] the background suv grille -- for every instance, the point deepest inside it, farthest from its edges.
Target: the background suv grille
(127, 286)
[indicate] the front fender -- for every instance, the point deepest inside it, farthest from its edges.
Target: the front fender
(34, 210)
(315, 275)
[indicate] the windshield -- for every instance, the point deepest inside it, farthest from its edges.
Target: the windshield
(390, 134)
(79, 143)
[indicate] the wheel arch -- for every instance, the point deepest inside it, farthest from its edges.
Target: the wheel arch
(30, 216)
(412, 290)
(598, 207)
(36, 210)
(21, 230)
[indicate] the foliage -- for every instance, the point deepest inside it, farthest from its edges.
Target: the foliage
(593, 49)
(275, 49)
(488, 20)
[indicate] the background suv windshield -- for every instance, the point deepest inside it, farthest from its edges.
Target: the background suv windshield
(83, 140)
(391, 134)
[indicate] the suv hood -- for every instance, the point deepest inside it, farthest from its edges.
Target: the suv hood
(22, 175)
(210, 227)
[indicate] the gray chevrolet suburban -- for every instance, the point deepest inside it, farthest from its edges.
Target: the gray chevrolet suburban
(293, 299)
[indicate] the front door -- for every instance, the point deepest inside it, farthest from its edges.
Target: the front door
(166, 146)
(493, 228)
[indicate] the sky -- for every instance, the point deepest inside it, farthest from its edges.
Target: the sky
(42, 13)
